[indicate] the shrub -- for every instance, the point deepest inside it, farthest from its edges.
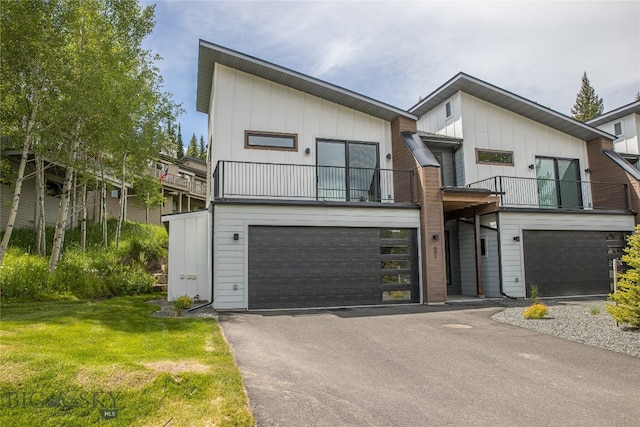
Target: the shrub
(536, 311)
(96, 273)
(181, 303)
(594, 310)
(627, 298)
(23, 276)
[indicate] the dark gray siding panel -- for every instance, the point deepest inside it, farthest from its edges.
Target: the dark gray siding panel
(566, 262)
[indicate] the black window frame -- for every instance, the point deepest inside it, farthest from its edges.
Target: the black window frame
(282, 135)
(619, 125)
(481, 151)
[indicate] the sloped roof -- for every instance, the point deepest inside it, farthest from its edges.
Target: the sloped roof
(509, 101)
(210, 53)
(625, 110)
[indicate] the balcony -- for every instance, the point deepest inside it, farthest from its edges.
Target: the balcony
(193, 186)
(537, 193)
(311, 183)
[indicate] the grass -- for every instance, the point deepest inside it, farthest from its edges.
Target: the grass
(110, 362)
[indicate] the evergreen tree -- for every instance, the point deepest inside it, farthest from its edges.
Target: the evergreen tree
(638, 96)
(588, 104)
(179, 142)
(202, 149)
(192, 150)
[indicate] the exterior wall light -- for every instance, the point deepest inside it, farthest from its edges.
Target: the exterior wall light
(307, 151)
(532, 166)
(389, 156)
(516, 238)
(236, 236)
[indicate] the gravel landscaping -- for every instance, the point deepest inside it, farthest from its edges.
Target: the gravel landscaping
(574, 321)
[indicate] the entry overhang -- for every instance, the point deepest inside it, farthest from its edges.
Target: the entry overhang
(459, 202)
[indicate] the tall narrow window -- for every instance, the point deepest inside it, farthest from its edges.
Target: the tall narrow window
(617, 129)
(558, 183)
(447, 109)
(348, 171)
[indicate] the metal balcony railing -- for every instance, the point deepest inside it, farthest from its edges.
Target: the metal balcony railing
(311, 183)
(556, 193)
(193, 186)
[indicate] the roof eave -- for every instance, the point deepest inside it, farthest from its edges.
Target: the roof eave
(510, 101)
(209, 54)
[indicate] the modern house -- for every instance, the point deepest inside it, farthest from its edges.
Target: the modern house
(322, 197)
(559, 220)
(624, 124)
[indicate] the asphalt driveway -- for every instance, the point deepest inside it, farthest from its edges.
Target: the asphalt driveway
(424, 366)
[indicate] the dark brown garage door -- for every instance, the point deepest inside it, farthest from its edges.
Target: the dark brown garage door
(568, 262)
(298, 267)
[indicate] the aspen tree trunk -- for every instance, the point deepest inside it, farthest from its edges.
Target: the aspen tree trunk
(83, 223)
(123, 201)
(19, 180)
(103, 208)
(41, 239)
(63, 215)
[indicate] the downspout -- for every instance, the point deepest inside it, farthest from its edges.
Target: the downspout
(501, 280)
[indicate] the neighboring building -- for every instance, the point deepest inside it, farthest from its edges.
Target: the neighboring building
(322, 197)
(555, 225)
(624, 124)
(184, 188)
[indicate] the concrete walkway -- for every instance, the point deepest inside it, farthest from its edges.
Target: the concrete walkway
(424, 366)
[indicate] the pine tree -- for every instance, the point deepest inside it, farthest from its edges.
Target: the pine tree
(588, 104)
(202, 149)
(180, 143)
(627, 298)
(638, 96)
(192, 150)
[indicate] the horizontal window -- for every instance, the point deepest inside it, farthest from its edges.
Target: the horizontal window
(394, 250)
(272, 141)
(494, 157)
(396, 295)
(394, 233)
(396, 279)
(395, 264)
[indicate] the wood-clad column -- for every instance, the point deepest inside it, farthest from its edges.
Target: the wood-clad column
(428, 195)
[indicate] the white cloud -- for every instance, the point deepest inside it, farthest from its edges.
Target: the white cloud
(399, 51)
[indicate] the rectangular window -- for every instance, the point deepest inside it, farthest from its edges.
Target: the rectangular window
(348, 171)
(559, 183)
(483, 247)
(271, 141)
(617, 129)
(494, 157)
(447, 108)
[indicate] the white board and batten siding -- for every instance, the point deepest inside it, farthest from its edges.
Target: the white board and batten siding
(243, 102)
(513, 223)
(189, 266)
(231, 256)
(486, 126)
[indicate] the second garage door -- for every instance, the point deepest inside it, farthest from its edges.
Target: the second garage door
(570, 262)
(297, 267)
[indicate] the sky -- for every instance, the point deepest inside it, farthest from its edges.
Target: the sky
(399, 52)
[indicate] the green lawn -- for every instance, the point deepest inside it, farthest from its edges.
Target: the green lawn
(78, 363)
